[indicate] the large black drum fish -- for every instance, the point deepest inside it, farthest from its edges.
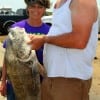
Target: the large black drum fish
(22, 65)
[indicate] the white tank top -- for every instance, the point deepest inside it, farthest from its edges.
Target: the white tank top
(67, 62)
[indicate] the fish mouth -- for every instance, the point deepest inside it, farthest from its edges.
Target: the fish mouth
(25, 59)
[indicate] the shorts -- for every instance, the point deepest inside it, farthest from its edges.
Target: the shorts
(59, 88)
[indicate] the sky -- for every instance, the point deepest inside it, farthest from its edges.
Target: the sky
(16, 4)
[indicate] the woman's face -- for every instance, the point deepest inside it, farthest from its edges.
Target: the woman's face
(36, 11)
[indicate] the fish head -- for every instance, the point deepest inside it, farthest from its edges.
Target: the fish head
(19, 45)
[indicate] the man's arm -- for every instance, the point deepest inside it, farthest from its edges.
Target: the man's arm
(84, 14)
(83, 17)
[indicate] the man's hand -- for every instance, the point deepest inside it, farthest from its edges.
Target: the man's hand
(36, 41)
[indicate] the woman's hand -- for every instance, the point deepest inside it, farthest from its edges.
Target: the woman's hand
(3, 88)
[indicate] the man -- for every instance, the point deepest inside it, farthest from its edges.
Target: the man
(69, 50)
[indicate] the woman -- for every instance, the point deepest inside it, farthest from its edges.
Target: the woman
(34, 25)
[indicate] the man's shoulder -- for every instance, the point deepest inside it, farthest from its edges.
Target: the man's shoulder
(84, 4)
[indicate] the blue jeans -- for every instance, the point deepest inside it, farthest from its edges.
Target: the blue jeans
(10, 91)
